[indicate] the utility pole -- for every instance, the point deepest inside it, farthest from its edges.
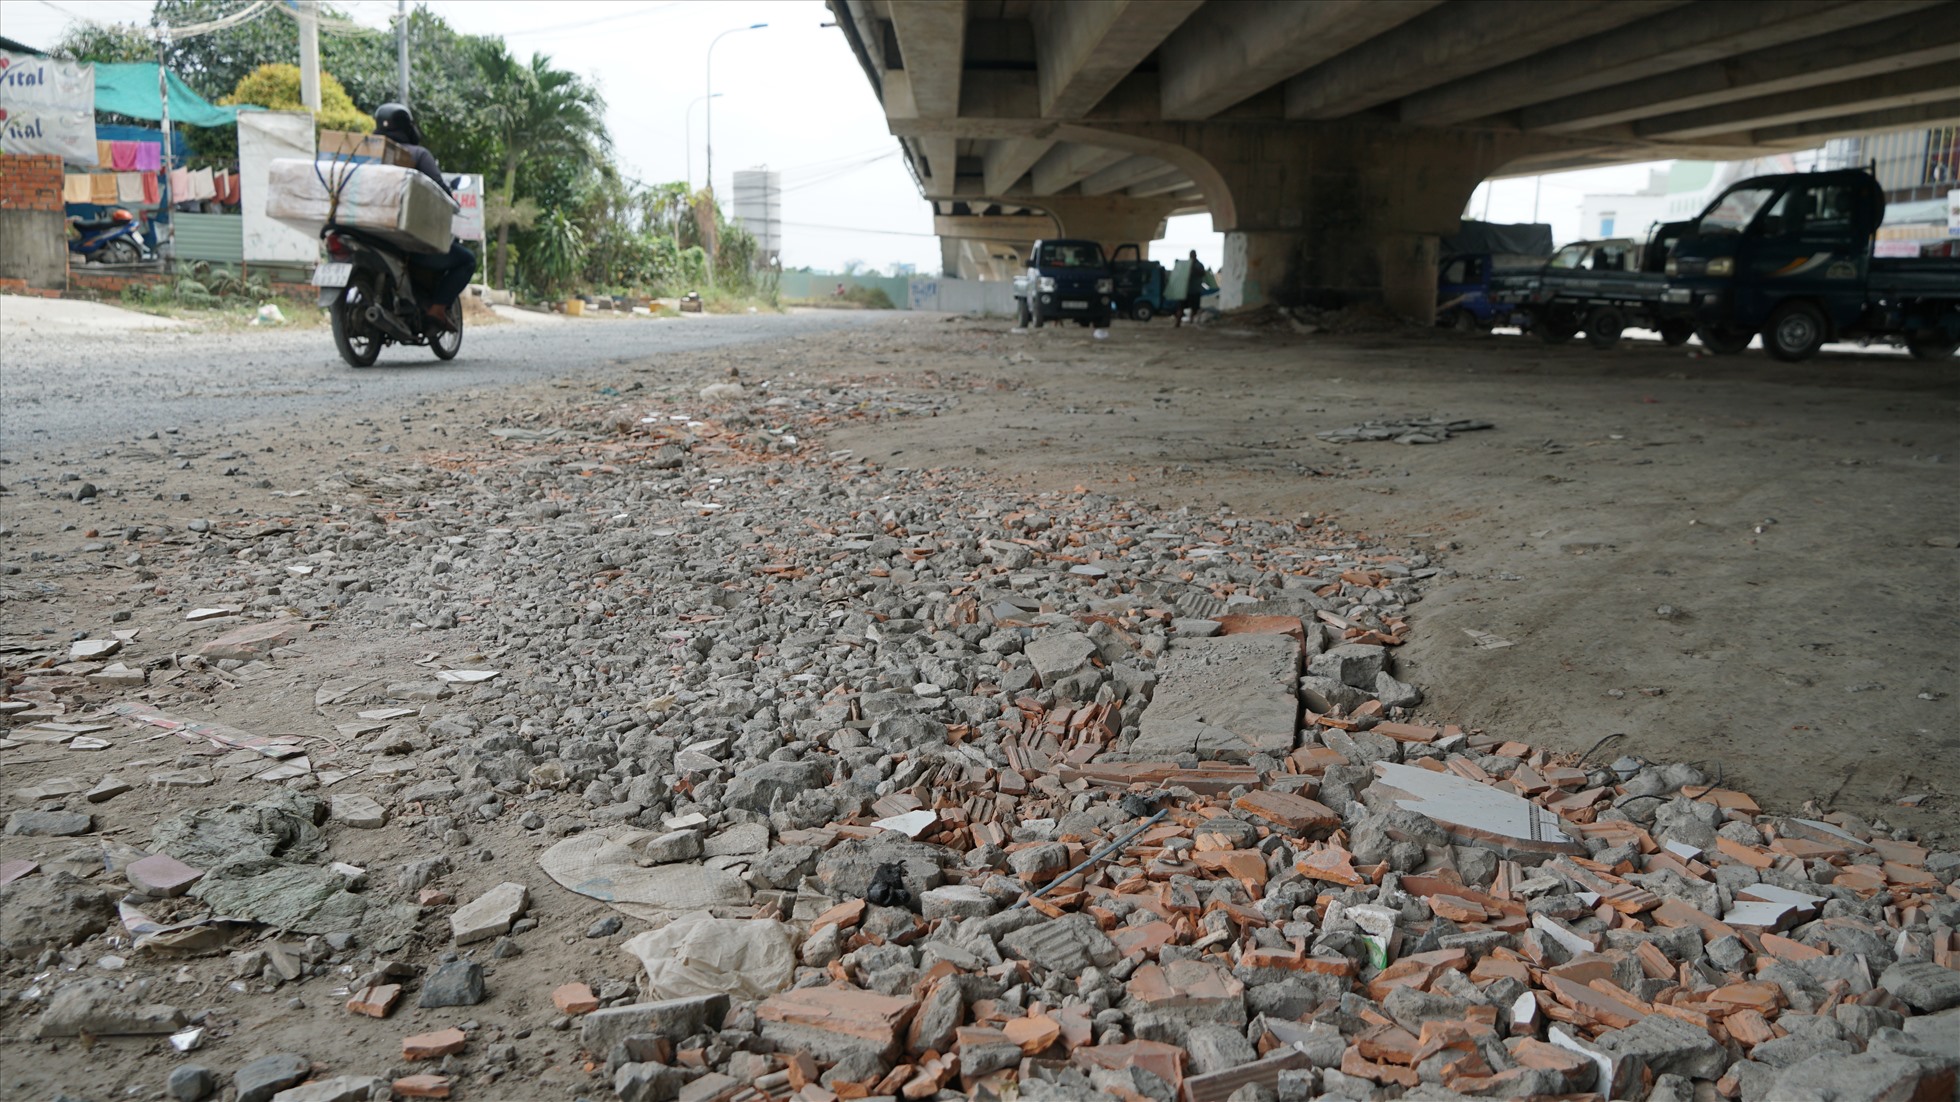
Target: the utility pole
(1537, 189)
(167, 243)
(309, 54)
(690, 134)
(401, 51)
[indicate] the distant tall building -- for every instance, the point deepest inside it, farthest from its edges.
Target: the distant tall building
(758, 207)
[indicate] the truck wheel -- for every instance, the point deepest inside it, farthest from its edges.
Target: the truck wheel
(1931, 344)
(1025, 317)
(1724, 342)
(1603, 327)
(1795, 332)
(1556, 327)
(1463, 321)
(1142, 312)
(1675, 333)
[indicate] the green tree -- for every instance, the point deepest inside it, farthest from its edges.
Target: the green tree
(277, 87)
(536, 112)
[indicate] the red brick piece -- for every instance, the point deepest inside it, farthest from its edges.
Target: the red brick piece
(375, 1002)
(422, 1086)
(574, 999)
(433, 1046)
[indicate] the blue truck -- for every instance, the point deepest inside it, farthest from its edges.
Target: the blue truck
(1790, 257)
(1484, 274)
(1066, 280)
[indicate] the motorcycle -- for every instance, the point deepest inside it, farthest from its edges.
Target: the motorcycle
(117, 239)
(375, 298)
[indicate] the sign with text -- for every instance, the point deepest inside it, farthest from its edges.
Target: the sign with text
(47, 106)
(469, 196)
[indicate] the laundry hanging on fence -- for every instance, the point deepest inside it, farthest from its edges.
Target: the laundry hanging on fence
(129, 187)
(124, 155)
(180, 185)
(202, 185)
(102, 187)
(105, 153)
(152, 194)
(149, 156)
(75, 188)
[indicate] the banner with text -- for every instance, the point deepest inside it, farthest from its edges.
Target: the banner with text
(47, 106)
(469, 221)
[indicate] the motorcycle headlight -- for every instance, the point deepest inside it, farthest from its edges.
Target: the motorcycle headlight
(1722, 266)
(1047, 283)
(1105, 286)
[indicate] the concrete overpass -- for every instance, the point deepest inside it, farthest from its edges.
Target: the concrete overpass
(1333, 141)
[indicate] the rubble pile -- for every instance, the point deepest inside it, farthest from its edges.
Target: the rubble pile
(1404, 430)
(906, 786)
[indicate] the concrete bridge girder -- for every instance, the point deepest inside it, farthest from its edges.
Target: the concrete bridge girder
(1334, 141)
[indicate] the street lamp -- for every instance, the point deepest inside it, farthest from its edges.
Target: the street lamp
(711, 94)
(690, 133)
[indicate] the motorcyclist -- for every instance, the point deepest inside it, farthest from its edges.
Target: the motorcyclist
(393, 120)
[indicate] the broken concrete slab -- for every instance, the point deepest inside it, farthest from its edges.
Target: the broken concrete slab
(836, 1023)
(674, 1019)
(1223, 699)
(254, 640)
(489, 914)
(99, 1008)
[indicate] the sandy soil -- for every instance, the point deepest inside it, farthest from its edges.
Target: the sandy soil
(1799, 521)
(1800, 524)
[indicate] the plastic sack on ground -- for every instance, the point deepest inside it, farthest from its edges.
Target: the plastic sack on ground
(699, 954)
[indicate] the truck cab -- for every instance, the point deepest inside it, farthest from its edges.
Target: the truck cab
(1790, 257)
(1066, 279)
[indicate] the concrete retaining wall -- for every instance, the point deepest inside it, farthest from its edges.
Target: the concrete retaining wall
(991, 298)
(33, 230)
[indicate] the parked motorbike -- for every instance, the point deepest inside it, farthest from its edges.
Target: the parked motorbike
(376, 298)
(117, 239)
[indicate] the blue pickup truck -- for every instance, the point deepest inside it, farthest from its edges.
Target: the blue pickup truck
(1066, 279)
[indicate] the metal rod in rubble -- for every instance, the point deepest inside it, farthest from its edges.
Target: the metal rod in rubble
(1101, 854)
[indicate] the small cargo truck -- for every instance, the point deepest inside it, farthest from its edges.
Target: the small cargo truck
(1066, 279)
(1790, 257)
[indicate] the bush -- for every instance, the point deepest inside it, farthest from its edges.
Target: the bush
(276, 87)
(871, 298)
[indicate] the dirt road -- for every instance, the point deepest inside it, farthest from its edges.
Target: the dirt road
(1725, 561)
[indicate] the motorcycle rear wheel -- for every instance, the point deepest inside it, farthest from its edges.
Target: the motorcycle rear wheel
(445, 343)
(121, 251)
(359, 343)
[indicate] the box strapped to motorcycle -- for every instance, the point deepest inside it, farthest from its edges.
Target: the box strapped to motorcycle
(398, 205)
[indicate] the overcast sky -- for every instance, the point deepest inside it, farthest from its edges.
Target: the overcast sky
(792, 97)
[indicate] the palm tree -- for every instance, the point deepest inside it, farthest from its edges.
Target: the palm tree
(536, 111)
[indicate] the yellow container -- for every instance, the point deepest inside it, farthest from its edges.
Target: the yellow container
(575, 307)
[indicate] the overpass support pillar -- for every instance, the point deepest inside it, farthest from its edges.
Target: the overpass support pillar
(1333, 213)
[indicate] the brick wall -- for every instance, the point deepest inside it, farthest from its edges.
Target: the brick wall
(30, 182)
(33, 224)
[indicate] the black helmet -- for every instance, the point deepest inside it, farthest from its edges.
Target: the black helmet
(393, 120)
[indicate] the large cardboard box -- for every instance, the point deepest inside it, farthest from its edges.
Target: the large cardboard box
(400, 205)
(346, 143)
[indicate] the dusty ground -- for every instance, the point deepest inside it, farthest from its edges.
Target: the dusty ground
(1800, 523)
